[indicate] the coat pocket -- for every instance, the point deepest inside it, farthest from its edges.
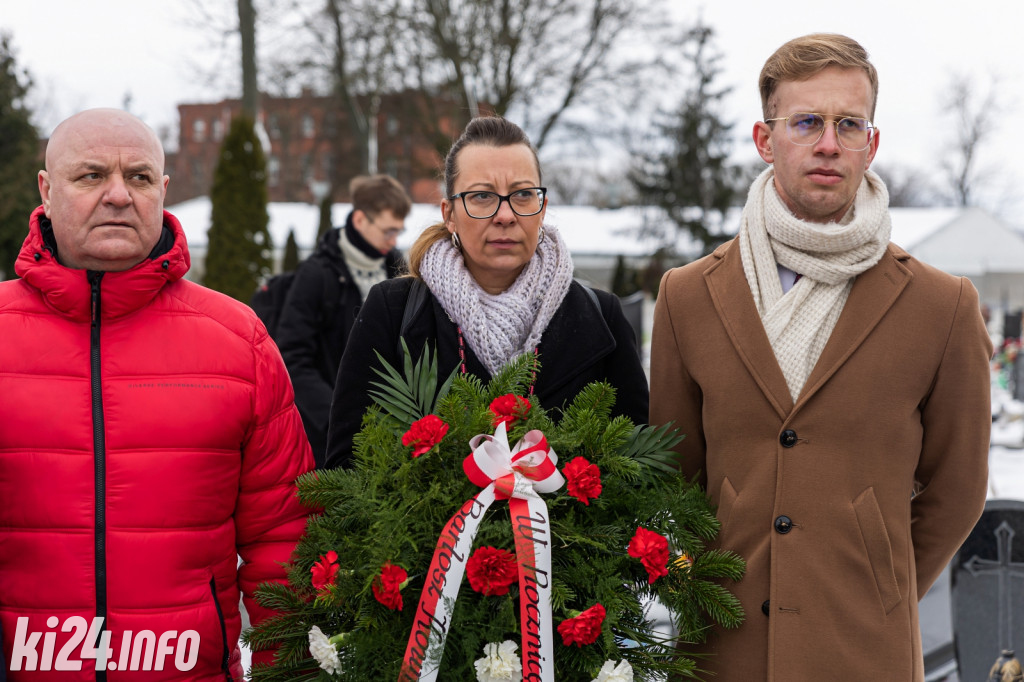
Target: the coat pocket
(876, 540)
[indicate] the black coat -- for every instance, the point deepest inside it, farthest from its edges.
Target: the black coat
(580, 345)
(319, 311)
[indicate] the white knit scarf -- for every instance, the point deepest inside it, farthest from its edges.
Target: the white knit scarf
(500, 327)
(365, 270)
(828, 256)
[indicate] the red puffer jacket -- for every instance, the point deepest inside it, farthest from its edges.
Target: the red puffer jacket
(148, 438)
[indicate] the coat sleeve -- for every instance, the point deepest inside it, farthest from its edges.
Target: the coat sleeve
(298, 336)
(269, 518)
(952, 472)
(675, 396)
(375, 329)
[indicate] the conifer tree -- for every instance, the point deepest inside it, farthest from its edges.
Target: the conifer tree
(19, 158)
(689, 175)
(325, 216)
(624, 278)
(239, 248)
(291, 253)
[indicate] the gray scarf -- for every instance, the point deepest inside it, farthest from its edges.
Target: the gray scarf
(500, 327)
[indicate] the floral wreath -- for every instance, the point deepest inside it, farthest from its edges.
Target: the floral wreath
(566, 531)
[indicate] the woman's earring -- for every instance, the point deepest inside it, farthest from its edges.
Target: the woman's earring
(541, 236)
(456, 242)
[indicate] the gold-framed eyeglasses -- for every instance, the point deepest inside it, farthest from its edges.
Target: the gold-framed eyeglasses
(805, 129)
(390, 233)
(523, 202)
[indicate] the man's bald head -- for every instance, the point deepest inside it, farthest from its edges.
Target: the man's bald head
(103, 189)
(115, 121)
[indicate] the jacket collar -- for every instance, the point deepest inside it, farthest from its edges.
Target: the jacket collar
(874, 292)
(67, 290)
(328, 246)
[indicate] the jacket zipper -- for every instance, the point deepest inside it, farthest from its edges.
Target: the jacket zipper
(225, 660)
(99, 445)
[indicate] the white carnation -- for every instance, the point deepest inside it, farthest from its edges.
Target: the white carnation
(499, 664)
(323, 651)
(623, 672)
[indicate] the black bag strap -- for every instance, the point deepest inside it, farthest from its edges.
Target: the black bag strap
(593, 297)
(418, 293)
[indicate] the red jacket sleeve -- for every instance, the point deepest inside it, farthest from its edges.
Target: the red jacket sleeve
(269, 518)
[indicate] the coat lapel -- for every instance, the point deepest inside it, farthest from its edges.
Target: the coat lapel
(873, 293)
(735, 306)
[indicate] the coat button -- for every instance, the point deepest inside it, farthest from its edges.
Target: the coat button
(788, 438)
(783, 525)
(764, 607)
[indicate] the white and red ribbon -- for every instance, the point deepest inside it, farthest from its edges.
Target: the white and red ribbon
(518, 475)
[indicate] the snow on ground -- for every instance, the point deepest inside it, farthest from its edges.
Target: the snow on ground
(1006, 456)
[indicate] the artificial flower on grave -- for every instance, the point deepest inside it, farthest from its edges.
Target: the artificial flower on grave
(455, 516)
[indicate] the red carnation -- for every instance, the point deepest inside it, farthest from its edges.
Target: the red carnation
(388, 585)
(424, 434)
(508, 409)
(652, 550)
(584, 628)
(491, 570)
(324, 572)
(584, 479)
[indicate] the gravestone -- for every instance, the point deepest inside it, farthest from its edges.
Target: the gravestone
(1012, 325)
(987, 589)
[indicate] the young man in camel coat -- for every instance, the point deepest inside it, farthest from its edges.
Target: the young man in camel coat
(834, 392)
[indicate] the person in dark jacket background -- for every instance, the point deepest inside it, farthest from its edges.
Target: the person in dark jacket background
(500, 284)
(329, 288)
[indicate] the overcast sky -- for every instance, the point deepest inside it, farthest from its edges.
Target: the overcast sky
(94, 54)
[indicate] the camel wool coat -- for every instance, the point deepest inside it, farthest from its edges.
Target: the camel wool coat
(848, 504)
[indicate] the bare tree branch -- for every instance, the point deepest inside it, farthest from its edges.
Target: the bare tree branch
(974, 123)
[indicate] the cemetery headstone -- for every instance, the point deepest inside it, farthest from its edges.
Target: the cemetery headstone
(987, 589)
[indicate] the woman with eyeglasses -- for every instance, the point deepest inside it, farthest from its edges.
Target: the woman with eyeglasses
(498, 284)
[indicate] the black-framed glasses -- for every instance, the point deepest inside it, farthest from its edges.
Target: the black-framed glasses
(523, 202)
(803, 128)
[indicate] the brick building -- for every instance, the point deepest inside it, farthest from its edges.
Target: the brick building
(312, 146)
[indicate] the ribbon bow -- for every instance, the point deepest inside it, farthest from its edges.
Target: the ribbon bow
(518, 475)
(520, 472)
